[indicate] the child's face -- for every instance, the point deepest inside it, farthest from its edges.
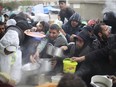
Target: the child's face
(39, 27)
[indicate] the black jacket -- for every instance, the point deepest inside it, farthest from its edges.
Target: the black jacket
(97, 63)
(97, 44)
(67, 13)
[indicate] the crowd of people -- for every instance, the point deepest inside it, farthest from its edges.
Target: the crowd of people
(91, 44)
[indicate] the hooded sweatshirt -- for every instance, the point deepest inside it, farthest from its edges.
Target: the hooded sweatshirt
(69, 30)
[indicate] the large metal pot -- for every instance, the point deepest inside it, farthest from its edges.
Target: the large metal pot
(46, 65)
(54, 51)
(30, 68)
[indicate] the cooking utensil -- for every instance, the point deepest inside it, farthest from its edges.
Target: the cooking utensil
(50, 49)
(54, 51)
(34, 34)
(31, 68)
(46, 65)
(58, 52)
(101, 81)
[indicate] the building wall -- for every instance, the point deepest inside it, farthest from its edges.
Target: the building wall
(88, 9)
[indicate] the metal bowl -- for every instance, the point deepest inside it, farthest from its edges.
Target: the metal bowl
(31, 68)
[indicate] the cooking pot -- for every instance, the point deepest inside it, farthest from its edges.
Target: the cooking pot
(30, 68)
(46, 65)
(58, 52)
(50, 49)
(54, 51)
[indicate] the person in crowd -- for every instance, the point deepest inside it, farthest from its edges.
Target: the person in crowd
(54, 37)
(28, 44)
(72, 27)
(2, 19)
(103, 36)
(12, 16)
(11, 55)
(2, 29)
(98, 62)
(42, 27)
(6, 17)
(21, 16)
(65, 11)
(71, 80)
(80, 46)
(109, 18)
(24, 25)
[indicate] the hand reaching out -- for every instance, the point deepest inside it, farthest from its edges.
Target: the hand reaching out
(78, 59)
(34, 57)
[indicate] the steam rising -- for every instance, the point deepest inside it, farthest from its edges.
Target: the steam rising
(110, 5)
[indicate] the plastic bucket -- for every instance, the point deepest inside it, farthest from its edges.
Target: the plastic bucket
(69, 66)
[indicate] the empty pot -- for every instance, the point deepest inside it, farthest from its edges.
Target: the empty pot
(50, 49)
(46, 65)
(54, 51)
(58, 52)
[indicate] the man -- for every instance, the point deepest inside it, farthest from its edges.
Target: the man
(65, 11)
(104, 36)
(98, 62)
(54, 37)
(81, 45)
(72, 27)
(109, 18)
(2, 29)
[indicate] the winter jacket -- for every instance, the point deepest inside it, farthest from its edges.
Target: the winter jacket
(75, 52)
(97, 63)
(97, 44)
(68, 29)
(66, 13)
(58, 42)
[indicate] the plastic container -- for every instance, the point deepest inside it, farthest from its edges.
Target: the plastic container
(69, 66)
